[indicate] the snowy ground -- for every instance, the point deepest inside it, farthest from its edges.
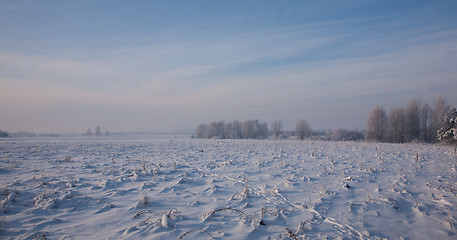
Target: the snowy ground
(182, 188)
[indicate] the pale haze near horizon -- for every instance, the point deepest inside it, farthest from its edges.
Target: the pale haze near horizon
(66, 66)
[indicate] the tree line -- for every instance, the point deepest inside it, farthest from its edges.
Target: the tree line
(250, 129)
(417, 122)
(98, 132)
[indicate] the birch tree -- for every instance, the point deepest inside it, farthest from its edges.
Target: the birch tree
(396, 125)
(376, 124)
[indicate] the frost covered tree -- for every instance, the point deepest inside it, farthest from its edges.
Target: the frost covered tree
(377, 124)
(236, 130)
(220, 129)
(448, 133)
(201, 131)
(212, 130)
(260, 129)
(302, 129)
(263, 130)
(228, 130)
(396, 125)
(253, 129)
(417, 122)
(215, 130)
(276, 128)
(248, 129)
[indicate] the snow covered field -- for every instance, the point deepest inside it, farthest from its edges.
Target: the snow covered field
(182, 188)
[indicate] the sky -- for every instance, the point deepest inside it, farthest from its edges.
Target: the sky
(66, 66)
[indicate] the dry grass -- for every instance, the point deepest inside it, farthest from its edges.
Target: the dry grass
(198, 229)
(224, 209)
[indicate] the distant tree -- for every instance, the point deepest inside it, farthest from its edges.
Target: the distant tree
(220, 130)
(448, 133)
(425, 122)
(413, 120)
(376, 124)
(338, 134)
(302, 129)
(249, 129)
(438, 113)
(417, 122)
(276, 128)
(236, 130)
(253, 129)
(3, 134)
(201, 131)
(354, 135)
(228, 130)
(342, 134)
(216, 130)
(396, 125)
(212, 130)
(98, 131)
(263, 133)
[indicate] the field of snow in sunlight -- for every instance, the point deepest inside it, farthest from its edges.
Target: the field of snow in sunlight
(181, 188)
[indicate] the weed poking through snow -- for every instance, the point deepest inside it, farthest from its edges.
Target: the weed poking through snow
(198, 229)
(210, 214)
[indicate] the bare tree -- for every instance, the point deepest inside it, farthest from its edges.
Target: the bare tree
(417, 122)
(276, 128)
(253, 129)
(201, 131)
(248, 129)
(396, 125)
(302, 129)
(376, 124)
(98, 131)
(263, 130)
(413, 123)
(236, 130)
(425, 122)
(220, 129)
(212, 130)
(228, 130)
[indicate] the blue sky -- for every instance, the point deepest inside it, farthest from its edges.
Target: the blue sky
(66, 66)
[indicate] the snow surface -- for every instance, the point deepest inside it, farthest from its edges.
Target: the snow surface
(180, 188)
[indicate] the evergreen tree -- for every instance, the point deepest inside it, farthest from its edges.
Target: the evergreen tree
(448, 133)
